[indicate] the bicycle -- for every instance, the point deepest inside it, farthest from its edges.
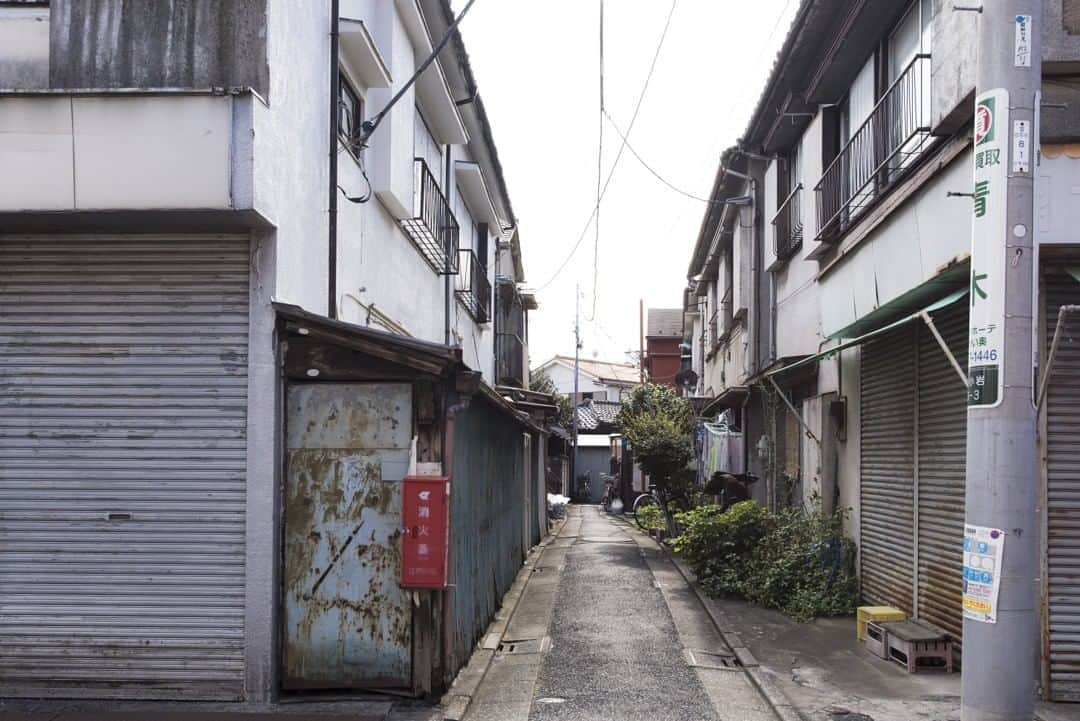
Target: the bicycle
(654, 498)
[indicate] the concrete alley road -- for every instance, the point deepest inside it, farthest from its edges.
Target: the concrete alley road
(608, 630)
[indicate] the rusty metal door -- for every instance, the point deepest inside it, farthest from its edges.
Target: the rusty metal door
(887, 492)
(347, 623)
(1063, 492)
(942, 447)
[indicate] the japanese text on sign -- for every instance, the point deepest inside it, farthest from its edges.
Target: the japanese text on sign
(983, 551)
(986, 338)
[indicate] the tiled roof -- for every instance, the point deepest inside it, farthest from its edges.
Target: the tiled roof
(593, 414)
(605, 370)
(664, 323)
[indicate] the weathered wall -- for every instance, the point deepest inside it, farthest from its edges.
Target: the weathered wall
(919, 238)
(487, 501)
(175, 43)
(24, 47)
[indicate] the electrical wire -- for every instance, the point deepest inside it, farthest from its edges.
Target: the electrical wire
(629, 129)
(655, 174)
(369, 127)
(599, 173)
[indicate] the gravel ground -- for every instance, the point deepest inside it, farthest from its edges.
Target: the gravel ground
(616, 654)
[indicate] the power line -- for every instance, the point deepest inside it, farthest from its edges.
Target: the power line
(648, 167)
(599, 173)
(629, 129)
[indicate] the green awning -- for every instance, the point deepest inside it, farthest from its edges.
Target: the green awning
(829, 353)
(1074, 272)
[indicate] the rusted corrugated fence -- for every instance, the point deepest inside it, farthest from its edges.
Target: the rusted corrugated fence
(489, 508)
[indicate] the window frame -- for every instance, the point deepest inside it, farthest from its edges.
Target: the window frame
(349, 132)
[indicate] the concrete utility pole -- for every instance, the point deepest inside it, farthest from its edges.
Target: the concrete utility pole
(1001, 630)
(574, 405)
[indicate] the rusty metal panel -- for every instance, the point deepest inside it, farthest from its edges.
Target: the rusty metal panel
(942, 444)
(347, 622)
(487, 501)
(1063, 492)
(887, 459)
(123, 455)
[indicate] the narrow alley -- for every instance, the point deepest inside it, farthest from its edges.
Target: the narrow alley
(607, 628)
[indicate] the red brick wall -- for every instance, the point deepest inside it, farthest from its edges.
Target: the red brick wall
(662, 360)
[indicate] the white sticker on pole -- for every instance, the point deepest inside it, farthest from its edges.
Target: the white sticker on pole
(986, 337)
(983, 551)
(1022, 57)
(1021, 151)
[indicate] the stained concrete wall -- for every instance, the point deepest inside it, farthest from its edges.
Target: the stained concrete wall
(24, 47)
(169, 43)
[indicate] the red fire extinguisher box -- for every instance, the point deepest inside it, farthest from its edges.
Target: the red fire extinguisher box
(425, 539)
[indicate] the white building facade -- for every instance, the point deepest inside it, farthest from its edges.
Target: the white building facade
(837, 248)
(178, 300)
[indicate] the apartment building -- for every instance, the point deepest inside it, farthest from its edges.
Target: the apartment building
(232, 320)
(828, 295)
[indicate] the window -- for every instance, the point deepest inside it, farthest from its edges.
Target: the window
(427, 148)
(881, 128)
(787, 223)
(350, 115)
(480, 244)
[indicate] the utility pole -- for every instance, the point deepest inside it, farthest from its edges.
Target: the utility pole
(641, 339)
(577, 368)
(1001, 630)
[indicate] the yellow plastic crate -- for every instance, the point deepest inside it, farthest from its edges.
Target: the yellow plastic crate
(876, 614)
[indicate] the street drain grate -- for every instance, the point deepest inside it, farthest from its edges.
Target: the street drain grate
(711, 659)
(547, 569)
(528, 645)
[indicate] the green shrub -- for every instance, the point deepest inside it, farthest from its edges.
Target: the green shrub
(651, 518)
(797, 562)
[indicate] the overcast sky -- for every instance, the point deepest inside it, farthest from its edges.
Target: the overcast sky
(537, 67)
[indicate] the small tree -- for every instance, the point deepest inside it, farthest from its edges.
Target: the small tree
(658, 425)
(541, 383)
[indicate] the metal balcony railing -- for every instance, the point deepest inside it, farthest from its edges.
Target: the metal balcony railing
(433, 229)
(473, 287)
(879, 152)
(787, 225)
(510, 360)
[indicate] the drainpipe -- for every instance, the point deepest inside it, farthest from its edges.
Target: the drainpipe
(448, 594)
(335, 93)
(449, 262)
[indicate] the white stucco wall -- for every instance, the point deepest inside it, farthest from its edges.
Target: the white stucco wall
(380, 273)
(798, 327)
(917, 241)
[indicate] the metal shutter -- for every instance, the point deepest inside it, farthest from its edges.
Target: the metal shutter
(942, 444)
(1063, 492)
(123, 411)
(887, 460)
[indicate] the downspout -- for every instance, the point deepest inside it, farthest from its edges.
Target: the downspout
(335, 93)
(447, 264)
(448, 594)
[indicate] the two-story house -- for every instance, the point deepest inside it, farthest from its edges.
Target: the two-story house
(827, 304)
(249, 257)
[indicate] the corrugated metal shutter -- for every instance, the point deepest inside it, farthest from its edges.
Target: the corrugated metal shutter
(887, 460)
(123, 406)
(1063, 492)
(942, 449)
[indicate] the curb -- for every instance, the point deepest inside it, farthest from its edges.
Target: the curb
(778, 701)
(455, 702)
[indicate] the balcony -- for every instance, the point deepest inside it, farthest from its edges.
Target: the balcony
(473, 287)
(510, 360)
(879, 153)
(787, 225)
(433, 229)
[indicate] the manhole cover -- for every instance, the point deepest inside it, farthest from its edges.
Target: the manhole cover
(529, 645)
(710, 659)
